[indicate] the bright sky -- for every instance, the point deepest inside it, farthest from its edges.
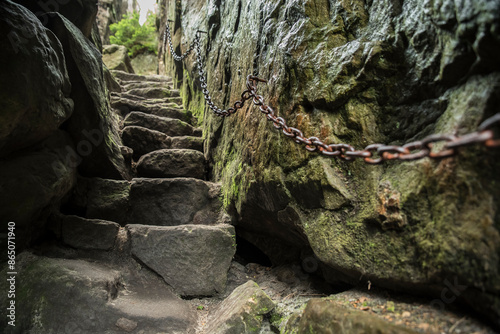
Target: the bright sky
(144, 6)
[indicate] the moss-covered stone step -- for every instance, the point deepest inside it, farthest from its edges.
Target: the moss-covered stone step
(172, 163)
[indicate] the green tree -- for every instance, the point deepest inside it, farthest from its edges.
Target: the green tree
(136, 38)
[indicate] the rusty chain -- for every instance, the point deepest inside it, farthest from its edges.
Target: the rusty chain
(371, 154)
(378, 153)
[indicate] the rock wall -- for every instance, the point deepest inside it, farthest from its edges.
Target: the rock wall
(55, 119)
(358, 72)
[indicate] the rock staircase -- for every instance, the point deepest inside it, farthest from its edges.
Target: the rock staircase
(164, 232)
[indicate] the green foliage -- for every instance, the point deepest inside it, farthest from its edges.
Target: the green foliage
(131, 34)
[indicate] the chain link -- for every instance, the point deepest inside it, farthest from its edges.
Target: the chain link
(371, 154)
(168, 38)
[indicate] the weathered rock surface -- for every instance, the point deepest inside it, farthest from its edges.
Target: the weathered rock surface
(115, 57)
(32, 182)
(324, 316)
(31, 109)
(154, 92)
(84, 233)
(187, 142)
(241, 312)
(357, 72)
(101, 199)
(169, 110)
(129, 85)
(125, 76)
(193, 259)
(48, 290)
(111, 83)
(164, 202)
(81, 13)
(143, 140)
(172, 163)
(169, 126)
(170, 202)
(93, 126)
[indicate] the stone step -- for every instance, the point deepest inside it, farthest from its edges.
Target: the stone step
(125, 76)
(188, 142)
(159, 202)
(116, 97)
(172, 163)
(193, 259)
(154, 92)
(171, 110)
(111, 298)
(130, 85)
(169, 126)
(143, 141)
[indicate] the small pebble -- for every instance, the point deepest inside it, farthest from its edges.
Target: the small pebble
(126, 324)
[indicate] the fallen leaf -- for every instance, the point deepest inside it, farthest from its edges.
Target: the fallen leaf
(423, 326)
(406, 314)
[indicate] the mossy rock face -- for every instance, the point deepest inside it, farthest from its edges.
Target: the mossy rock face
(325, 317)
(242, 311)
(359, 73)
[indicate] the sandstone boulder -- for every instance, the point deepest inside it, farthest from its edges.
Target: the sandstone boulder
(32, 182)
(116, 58)
(81, 13)
(93, 126)
(35, 87)
(241, 312)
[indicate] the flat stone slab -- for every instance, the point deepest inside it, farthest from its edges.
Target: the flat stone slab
(171, 202)
(142, 140)
(85, 233)
(193, 259)
(242, 312)
(172, 163)
(169, 126)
